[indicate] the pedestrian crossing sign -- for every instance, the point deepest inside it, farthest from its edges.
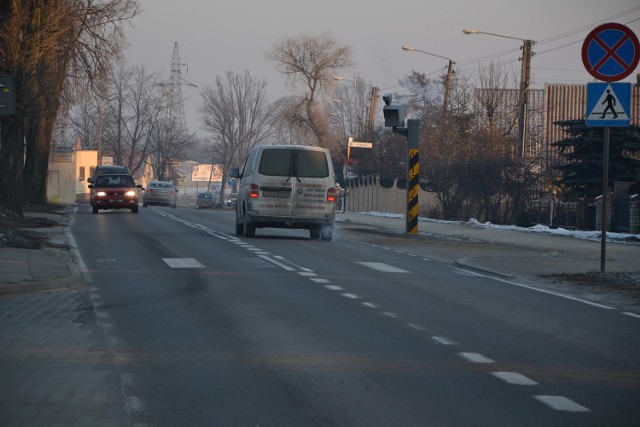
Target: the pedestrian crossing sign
(608, 104)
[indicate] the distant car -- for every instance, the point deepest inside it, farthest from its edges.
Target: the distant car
(160, 193)
(231, 200)
(205, 200)
(117, 191)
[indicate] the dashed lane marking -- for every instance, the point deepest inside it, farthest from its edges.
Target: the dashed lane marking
(476, 358)
(351, 296)
(561, 403)
(279, 264)
(514, 378)
(444, 341)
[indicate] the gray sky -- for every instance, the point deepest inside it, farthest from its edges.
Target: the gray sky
(219, 36)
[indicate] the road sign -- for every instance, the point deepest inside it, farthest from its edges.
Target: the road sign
(611, 52)
(360, 144)
(608, 104)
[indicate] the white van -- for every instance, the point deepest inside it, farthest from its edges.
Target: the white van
(286, 186)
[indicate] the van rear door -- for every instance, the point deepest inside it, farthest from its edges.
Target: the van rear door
(276, 188)
(311, 183)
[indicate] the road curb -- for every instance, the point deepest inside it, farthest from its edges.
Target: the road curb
(465, 264)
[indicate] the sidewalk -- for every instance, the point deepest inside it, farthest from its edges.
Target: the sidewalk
(48, 268)
(505, 252)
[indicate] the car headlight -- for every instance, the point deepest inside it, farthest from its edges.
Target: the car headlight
(130, 193)
(101, 194)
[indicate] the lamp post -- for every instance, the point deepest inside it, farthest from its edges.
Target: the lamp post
(523, 104)
(100, 112)
(449, 78)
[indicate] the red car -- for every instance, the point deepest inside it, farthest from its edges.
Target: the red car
(117, 191)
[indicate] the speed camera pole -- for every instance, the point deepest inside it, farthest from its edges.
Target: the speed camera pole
(394, 118)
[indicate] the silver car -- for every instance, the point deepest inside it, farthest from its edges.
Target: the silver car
(160, 193)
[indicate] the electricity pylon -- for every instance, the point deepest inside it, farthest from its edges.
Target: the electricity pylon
(172, 101)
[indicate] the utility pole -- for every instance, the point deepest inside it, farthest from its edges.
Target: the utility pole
(523, 116)
(447, 88)
(373, 103)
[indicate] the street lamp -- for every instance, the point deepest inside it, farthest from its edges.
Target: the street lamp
(447, 86)
(523, 101)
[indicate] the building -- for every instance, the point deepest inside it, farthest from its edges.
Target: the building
(69, 168)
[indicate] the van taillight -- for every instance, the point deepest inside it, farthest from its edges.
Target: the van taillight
(254, 191)
(331, 195)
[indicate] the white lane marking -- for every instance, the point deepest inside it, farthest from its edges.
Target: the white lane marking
(351, 296)
(121, 358)
(279, 264)
(114, 341)
(127, 379)
(561, 403)
(444, 341)
(253, 249)
(544, 291)
(183, 263)
(390, 314)
(514, 378)
(381, 266)
(307, 273)
(370, 305)
(628, 313)
(416, 326)
(102, 315)
(476, 358)
(135, 404)
(319, 280)
(334, 288)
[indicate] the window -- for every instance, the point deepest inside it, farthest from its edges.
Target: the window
(81, 173)
(308, 163)
(312, 164)
(275, 163)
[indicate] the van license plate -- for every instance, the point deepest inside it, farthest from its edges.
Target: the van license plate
(277, 194)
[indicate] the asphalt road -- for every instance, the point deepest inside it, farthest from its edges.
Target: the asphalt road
(210, 329)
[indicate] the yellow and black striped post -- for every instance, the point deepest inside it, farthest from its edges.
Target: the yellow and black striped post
(412, 192)
(413, 176)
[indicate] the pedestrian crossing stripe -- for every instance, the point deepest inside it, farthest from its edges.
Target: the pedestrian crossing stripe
(183, 263)
(608, 104)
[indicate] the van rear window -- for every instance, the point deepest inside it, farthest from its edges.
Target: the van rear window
(308, 163)
(275, 163)
(312, 164)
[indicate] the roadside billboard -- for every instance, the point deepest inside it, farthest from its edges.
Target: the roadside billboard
(202, 173)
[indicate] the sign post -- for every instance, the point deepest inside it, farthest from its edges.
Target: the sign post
(610, 53)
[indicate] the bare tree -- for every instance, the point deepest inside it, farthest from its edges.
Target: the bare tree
(45, 45)
(310, 61)
(133, 109)
(237, 113)
(495, 110)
